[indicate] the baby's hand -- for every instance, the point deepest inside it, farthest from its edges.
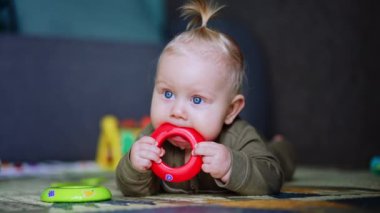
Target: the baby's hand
(216, 159)
(143, 152)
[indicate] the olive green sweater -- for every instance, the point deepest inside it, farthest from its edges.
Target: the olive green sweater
(255, 170)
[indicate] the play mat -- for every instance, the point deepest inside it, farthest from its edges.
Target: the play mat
(312, 190)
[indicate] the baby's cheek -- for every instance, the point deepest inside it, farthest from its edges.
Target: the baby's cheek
(210, 133)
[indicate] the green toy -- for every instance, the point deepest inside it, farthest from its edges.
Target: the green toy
(75, 193)
(87, 190)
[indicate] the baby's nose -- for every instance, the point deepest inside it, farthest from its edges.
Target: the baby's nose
(179, 110)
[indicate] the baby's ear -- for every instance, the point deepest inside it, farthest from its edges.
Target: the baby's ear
(237, 104)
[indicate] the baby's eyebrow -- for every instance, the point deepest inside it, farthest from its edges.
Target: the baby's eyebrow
(160, 82)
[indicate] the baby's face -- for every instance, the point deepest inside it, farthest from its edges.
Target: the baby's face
(191, 91)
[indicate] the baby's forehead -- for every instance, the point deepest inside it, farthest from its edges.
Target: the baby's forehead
(199, 47)
(200, 51)
(206, 51)
(210, 67)
(211, 61)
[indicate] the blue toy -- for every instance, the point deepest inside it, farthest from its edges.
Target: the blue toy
(375, 165)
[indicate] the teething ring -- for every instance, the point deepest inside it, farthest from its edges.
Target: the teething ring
(189, 169)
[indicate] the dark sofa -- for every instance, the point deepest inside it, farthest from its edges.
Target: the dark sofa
(53, 92)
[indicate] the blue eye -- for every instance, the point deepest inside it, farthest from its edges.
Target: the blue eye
(197, 100)
(168, 94)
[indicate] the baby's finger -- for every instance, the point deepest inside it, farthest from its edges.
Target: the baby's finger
(142, 164)
(206, 168)
(152, 148)
(146, 164)
(204, 148)
(207, 160)
(148, 140)
(162, 152)
(149, 155)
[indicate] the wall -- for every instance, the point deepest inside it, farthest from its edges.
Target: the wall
(132, 20)
(322, 59)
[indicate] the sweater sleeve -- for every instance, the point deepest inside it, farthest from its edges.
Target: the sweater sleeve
(132, 182)
(254, 170)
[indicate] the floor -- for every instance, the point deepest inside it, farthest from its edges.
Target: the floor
(312, 190)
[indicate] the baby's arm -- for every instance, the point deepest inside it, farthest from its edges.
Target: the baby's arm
(133, 174)
(254, 173)
(252, 168)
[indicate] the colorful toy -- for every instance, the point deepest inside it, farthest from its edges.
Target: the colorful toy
(109, 146)
(75, 193)
(191, 168)
(375, 165)
(86, 190)
(116, 139)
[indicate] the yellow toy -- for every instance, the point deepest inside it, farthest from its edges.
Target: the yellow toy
(109, 147)
(116, 139)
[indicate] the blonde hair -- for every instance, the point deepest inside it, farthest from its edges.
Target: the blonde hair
(209, 40)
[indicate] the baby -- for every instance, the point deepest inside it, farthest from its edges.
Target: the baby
(198, 84)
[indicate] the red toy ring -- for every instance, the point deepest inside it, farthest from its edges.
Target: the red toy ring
(188, 170)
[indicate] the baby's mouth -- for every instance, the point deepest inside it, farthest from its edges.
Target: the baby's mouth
(180, 142)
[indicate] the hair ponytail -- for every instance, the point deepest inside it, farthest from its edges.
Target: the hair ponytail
(200, 11)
